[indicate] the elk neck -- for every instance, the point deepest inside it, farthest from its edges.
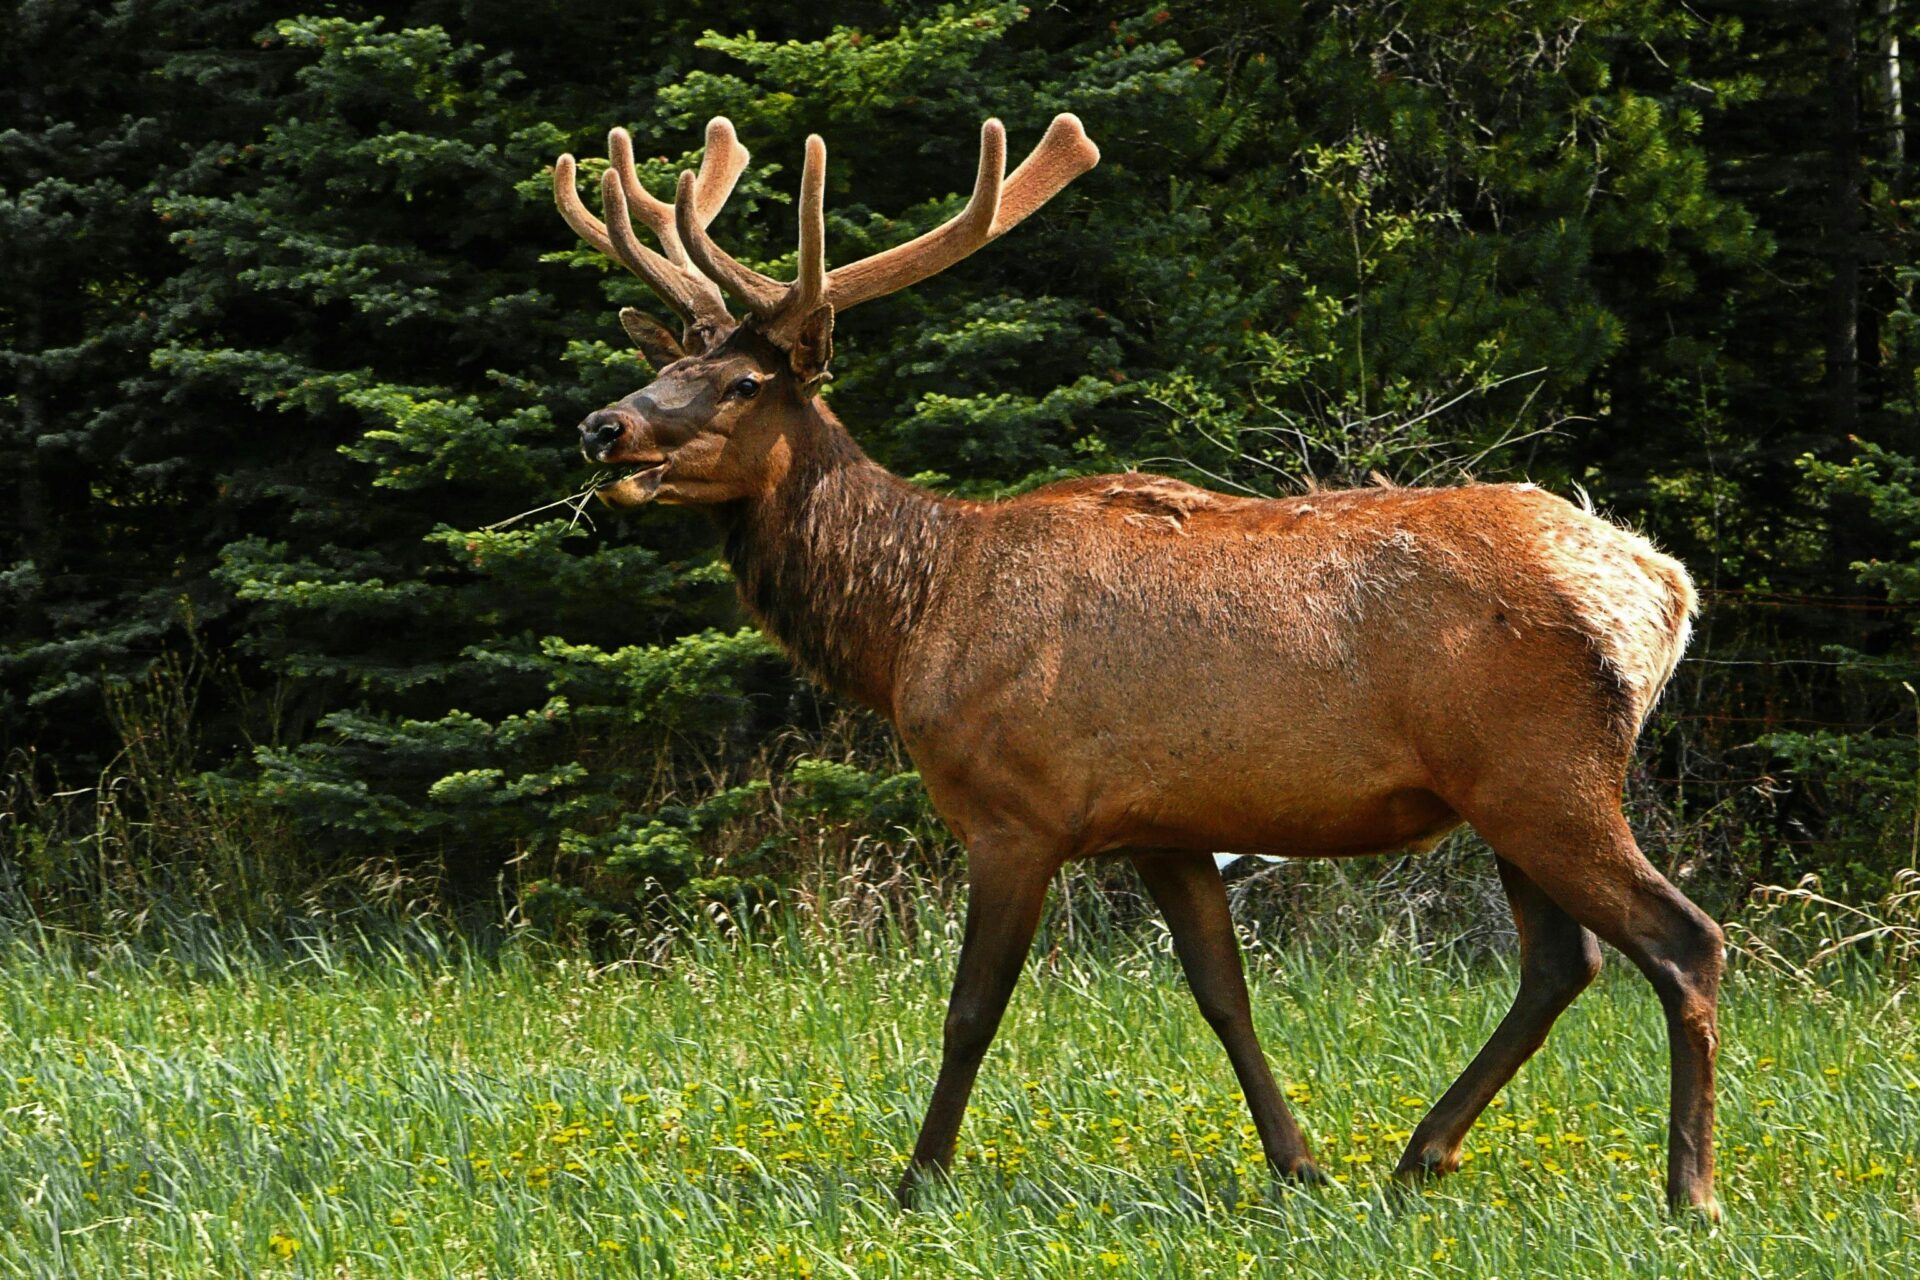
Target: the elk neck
(838, 558)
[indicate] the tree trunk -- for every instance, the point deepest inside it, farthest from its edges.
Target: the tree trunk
(1843, 239)
(1892, 93)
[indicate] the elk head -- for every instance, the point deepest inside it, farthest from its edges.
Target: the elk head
(726, 412)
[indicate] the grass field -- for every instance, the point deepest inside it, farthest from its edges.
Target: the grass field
(217, 1109)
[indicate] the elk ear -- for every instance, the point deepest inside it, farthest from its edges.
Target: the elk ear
(655, 341)
(812, 349)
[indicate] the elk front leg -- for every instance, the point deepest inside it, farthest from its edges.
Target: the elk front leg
(1190, 894)
(1558, 959)
(1005, 892)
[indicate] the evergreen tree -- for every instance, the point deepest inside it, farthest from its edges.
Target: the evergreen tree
(106, 524)
(292, 327)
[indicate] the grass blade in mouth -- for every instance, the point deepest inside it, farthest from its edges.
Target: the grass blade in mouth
(575, 500)
(579, 501)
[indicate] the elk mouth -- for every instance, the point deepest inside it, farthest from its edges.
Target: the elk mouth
(635, 487)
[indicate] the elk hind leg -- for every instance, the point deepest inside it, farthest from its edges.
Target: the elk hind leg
(1592, 869)
(1190, 894)
(1558, 959)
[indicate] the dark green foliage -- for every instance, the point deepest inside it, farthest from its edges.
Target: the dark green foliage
(104, 490)
(290, 321)
(1870, 782)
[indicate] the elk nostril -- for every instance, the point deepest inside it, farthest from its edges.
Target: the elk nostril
(600, 430)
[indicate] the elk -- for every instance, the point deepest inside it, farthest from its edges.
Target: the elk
(1130, 665)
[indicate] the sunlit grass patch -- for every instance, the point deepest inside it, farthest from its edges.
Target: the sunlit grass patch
(745, 1110)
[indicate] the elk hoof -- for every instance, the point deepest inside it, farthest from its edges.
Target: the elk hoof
(1417, 1165)
(916, 1176)
(1302, 1173)
(1704, 1213)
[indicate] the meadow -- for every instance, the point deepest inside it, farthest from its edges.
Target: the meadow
(411, 1104)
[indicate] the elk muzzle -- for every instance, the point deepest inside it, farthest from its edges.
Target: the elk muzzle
(601, 432)
(616, 434)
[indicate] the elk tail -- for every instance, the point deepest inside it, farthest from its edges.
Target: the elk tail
(1682, 603)
(1634, 604)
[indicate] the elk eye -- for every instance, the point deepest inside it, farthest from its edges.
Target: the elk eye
(746, 388)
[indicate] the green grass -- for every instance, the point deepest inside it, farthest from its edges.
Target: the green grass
(228, 1110)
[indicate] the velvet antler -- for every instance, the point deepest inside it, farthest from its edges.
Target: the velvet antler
(999, 203)
(680, 284)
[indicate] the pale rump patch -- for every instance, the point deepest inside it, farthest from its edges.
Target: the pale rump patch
(1635, 605)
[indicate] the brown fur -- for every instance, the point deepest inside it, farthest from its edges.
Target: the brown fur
(842, 562)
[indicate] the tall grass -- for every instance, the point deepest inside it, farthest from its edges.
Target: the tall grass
(400, 1100)
(150, 831)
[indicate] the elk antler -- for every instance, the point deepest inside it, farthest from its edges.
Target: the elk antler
(999, 203)
(678, 281)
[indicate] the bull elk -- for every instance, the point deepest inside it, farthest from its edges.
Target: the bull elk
(1131, 665)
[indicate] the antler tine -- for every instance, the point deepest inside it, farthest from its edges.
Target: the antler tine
(689, 293)
(657, 271)
(679, 284)
(894, 269)
(721, 165)
(762, 294)
(1062, 155)
(810, 280)
(656, 213)
(997, 207)
(566, 195)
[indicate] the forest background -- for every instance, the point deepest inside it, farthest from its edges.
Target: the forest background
(290, 325)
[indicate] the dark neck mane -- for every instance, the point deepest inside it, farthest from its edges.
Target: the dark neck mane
(838, 562)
